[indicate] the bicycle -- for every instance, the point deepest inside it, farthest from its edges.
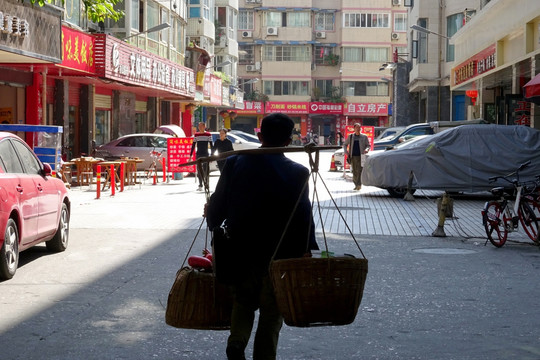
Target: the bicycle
(152, 169)
(501, 216)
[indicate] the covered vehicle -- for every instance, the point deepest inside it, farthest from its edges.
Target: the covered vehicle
(460, 159)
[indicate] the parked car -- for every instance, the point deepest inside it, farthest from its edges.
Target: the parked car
(340, 153)
(389, 132)
(246, 136)
(422, 129)
(135, 145)
(173, 130)
(239, 143)
(35, 206)
(460, 159)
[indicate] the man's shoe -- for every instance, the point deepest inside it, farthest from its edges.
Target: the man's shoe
(235, 352)
(199, 188)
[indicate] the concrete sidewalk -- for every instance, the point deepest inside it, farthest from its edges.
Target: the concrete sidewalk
(370, 211)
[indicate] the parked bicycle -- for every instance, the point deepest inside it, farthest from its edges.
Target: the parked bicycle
(152, 169)
(501, 216)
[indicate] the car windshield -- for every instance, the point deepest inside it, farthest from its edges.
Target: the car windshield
(406, 143)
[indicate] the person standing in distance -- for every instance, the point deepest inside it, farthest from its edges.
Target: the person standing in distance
(221, 145)
(356, 145)
(202, 142)
(255, 197)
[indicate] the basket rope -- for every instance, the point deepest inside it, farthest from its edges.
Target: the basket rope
(314, 165)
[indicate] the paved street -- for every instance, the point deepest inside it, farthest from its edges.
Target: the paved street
(425, 297)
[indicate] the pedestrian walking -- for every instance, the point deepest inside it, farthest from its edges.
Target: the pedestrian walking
(255, 197)
(202, 144)
(221, 145)
(355, 146)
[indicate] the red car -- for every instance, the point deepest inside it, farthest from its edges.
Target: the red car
(34, 206)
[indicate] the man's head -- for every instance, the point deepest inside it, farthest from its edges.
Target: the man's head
(276, 130)
(357, 128)
(202, 127)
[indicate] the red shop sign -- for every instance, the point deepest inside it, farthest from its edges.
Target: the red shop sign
(366, 109)
(295, 107)
(178, 152)
(325, 108)
(78, 50)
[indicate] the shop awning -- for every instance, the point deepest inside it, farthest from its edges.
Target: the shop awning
(531, 90)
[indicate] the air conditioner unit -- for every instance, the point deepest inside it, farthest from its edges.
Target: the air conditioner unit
(247, 34)
(396, 2)
(271, 30)
(320, 35)
(251, 1)
(251, 68)
(395, 36)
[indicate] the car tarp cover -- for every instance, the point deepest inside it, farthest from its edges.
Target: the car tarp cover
(458, 159)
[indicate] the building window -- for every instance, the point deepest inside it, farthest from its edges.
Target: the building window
(287, 53)
(320, 54)
(288, 19)
(152, 19)
(453, 24)
(400, 22)
(324, 21)
(135, 15)
(364, 88)
(245, 20)
(422, 42)
(324, 87)
(286, 87)
(201, 8)
(366, 20)
(365, 54)
(178, 41)
(247, 54)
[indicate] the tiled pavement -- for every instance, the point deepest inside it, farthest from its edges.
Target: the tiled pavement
(367, 212)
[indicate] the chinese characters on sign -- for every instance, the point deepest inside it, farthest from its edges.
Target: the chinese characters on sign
(178, 151)
(484, 61)
(521, 112)
(287, 107)
(367, 109)
(78, 50)
(325, 108)
(251, 107)
(135, 66)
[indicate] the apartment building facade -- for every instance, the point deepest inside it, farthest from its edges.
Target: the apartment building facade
(325, 63)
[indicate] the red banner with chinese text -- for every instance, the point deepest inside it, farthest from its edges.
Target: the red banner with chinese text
(78, 50)
(178, 151)
(295, 107)
(325, 108)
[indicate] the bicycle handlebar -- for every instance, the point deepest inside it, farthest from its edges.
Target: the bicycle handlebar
(515, 181)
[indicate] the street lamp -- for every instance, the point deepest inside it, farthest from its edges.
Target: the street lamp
(426, 31)
(152, 29)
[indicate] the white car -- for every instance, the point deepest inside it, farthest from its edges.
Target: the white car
(238, 143)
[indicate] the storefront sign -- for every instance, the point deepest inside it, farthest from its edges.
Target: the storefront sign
(119, 61)
(325, 108)
(178, 152)
(474, 66)
(78, 50)
(520, 111)
(287, 107)
(30, 31)
(251, 107)
(13, 26)
(216, 90)
(366, 109)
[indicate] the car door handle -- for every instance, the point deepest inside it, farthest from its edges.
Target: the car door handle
(40, 188)
(19, 188)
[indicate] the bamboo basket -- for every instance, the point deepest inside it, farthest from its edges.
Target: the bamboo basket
(197, 301)
(319, 291)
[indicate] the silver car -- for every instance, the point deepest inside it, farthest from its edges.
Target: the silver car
(140, 146)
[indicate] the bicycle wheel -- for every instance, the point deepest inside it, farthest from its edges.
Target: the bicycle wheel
(528, 217)
(495, 223)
